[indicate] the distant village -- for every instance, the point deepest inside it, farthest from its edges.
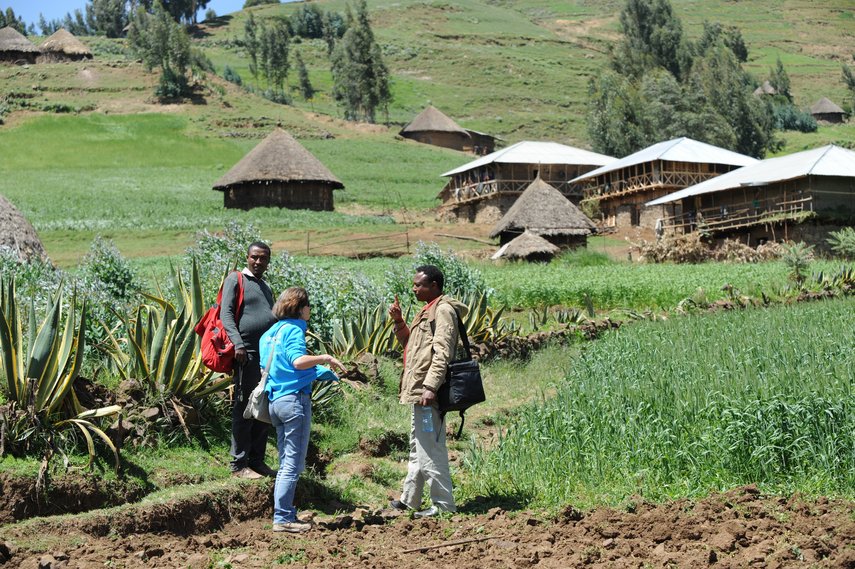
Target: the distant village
(542, 197)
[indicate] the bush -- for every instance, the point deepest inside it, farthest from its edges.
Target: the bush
(788, 117)
(232, 76)
(461, 280)
(210, 14)
(216, 253)
(843, 242)
(172, 85)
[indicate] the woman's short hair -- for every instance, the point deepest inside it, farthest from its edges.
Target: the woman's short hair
(290, 303)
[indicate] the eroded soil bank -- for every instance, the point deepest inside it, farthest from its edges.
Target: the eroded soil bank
(740, 528)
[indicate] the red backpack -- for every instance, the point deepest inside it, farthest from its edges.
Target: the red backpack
(218, 351)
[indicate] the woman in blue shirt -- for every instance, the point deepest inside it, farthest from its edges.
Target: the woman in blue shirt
(289, 388)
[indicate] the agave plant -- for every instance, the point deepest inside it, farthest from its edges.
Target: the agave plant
(40, 372)
(370, 331)
(162, 347)
(483, 323)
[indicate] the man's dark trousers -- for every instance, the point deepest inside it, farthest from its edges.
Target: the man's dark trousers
(249, 437)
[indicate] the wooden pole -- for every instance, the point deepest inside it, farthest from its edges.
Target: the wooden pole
(448, 544)
(307, 242)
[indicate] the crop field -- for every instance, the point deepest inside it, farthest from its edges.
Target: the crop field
(688, 406)
(706, 421)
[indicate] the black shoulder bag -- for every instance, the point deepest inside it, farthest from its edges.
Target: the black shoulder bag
(463, 387)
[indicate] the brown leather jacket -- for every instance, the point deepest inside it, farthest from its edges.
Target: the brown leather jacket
(430, 348)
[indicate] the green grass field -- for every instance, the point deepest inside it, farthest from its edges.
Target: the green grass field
(683, 407)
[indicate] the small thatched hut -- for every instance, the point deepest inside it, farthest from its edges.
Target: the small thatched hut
(765, 89)
(544, 211)
(527, 247)
(432, 126)
(279, 172)
(825, 110)
(17, 234)
(62, 45)
(16, 48)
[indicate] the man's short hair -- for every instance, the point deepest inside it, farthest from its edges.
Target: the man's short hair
(258, 245)
(290, 303)
(433, 274)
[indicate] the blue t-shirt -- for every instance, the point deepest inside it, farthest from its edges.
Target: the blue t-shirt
(283, 378)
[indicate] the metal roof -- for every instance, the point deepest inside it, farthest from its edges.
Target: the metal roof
(532, 152)
(828, 160)
(676, 150)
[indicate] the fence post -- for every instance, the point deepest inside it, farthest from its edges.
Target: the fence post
(307, 242)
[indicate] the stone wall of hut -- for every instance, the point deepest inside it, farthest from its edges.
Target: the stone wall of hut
(307, 195)
(59, 57)
(487, 211)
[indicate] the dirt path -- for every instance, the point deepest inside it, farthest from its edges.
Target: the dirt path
(736, 529)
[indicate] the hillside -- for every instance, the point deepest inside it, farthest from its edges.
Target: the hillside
(87, 151)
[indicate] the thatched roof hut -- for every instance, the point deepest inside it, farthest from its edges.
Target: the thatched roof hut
(15, 47)
(17, 234)
(527, 247)
(62, 45)
(545, 211)
(765, 89)
(432, 126)
(825, 110)
(279, 172)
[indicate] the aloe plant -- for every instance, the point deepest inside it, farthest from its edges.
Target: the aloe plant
(370, 331)
(40, 371)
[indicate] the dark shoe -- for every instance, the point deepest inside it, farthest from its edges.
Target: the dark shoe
(247, 474)
(399, 505)
(292, 527)
(431, 512)
(264, 470)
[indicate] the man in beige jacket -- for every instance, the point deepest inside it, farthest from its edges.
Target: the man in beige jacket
(430, 344)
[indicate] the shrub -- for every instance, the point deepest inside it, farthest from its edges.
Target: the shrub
(171, 85)
(232, 76)
(843, 242)
(788, 117)
(217, 253)
(797, 257)
(461, 280)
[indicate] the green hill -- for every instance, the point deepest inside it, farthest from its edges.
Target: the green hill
(85, 149)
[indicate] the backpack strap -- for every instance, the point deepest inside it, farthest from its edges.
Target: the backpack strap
(239, 309)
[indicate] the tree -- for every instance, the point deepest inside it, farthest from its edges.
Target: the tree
(9, 19)
(48, 27)
(107, 17)
(274, 53)
(251, 3)
(161, 42)
(849, 80)
(308, 21)
(779, 79)
(307, 90)
(615, 115)
(251, 44)
(730, 36)
(360, 77)
(652, 36)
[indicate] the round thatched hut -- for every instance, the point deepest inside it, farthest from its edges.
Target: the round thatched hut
(62, 45)
(17, 234)
(543, 210)
(527, 247)
(16, 48)
(432, 126)
(279, 172)
(826, 110)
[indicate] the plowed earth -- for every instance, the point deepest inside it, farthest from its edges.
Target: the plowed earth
(232, 528)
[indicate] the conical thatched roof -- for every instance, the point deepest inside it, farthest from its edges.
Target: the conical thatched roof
(12, 40)
(765, 89)
(17, 234)
(545, 211)
(824, 106)
(526, 245)
(278, 158)
(433, 120)
(63, 41)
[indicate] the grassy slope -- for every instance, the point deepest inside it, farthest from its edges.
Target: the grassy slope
(518, 69)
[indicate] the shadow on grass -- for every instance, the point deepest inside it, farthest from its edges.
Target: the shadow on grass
(507, 502)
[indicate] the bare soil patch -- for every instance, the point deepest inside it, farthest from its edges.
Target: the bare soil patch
(740, 528)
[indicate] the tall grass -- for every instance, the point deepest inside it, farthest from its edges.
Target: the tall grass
(695, 404)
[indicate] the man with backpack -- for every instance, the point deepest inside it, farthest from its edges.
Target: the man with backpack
(245, 323)
(430, 344)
